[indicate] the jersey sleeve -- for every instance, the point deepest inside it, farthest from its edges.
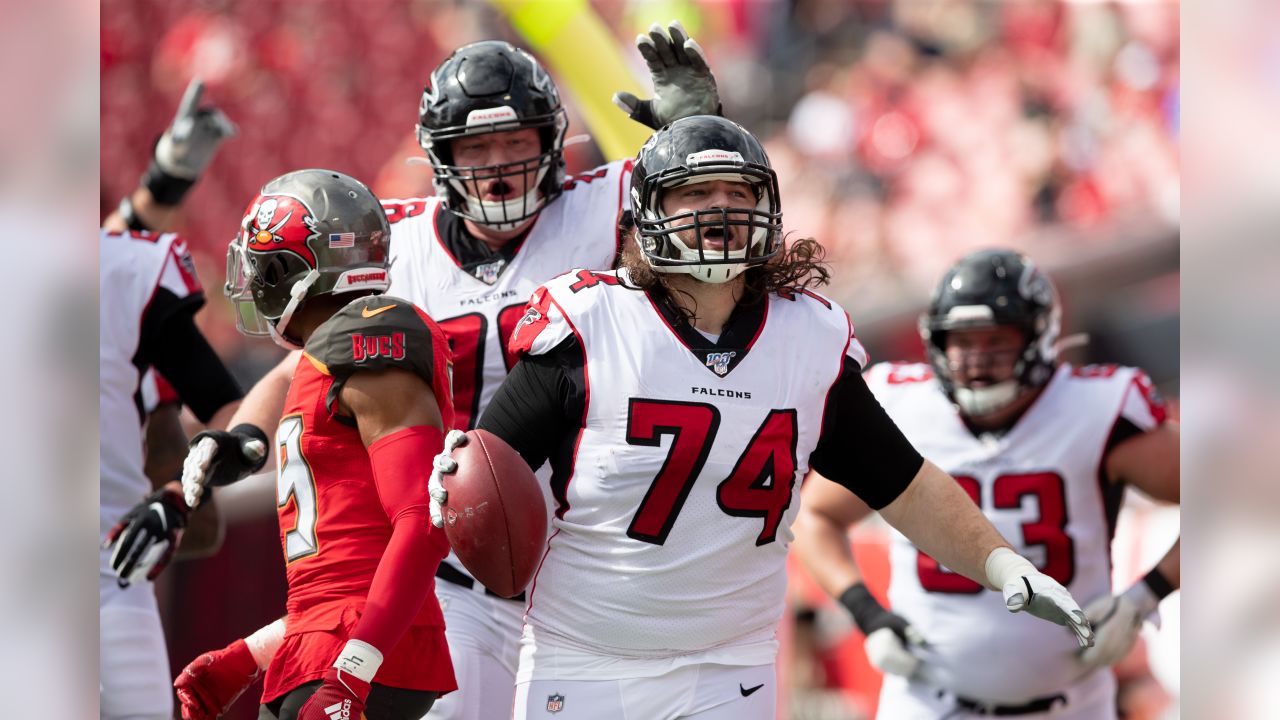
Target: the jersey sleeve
(860, 446)
(542, 328)
(1143, 406)
(376, 333)
(540, 406)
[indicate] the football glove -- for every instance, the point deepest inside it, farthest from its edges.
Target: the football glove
(889, 636)
(682, 81)
(346, 685)
(1117, 620)
(221, 457)
(147, 536)
(211, 683)
(442, 465)
(186, 148)
(1027, 589)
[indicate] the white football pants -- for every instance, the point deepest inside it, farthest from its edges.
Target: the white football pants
(693, 692)
(133, 660)
(484, 644)
(1093, 698)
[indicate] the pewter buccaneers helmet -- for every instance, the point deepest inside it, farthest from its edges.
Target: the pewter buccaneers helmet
(985, 289)
(698, 149)
(307, 233)
(485, 87)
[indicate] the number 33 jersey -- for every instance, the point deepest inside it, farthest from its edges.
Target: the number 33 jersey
(675, 486)
(1043, 486)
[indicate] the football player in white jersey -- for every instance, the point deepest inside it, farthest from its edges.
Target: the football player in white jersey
(678, 400)
(1045, 450)
(505, 219)
(149, 295)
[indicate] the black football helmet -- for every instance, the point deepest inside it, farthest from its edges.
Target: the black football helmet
(484, 87)
(990, 288)
(698, 149)
(307, 233)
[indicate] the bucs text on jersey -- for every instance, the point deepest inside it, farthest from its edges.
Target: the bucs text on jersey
(675, 472)
(1042, 485)
(333, 529)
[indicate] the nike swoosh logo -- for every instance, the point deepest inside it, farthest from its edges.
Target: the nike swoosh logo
(366, 312)
(747, 691)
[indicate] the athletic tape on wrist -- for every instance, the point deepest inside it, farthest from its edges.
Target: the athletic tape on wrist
(359, 659)
(264, 642)
(1004, 565)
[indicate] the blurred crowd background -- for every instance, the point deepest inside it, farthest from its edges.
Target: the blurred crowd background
(905, 133)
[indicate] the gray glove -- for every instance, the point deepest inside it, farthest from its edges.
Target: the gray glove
(682, 81)
(186, 148)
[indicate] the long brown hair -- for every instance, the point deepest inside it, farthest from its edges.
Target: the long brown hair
(799, 265)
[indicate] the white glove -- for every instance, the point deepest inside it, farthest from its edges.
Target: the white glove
(221, 457)
(682, 81)
(443, 464)
(888, 634)
(1117, 619)
(1026, 588)
(187, 145)
(890, 654)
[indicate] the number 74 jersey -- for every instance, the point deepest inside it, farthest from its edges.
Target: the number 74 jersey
(1043, 486)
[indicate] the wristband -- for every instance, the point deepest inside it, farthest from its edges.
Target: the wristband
(1158, 584)
(862, 605)
(360, 659)
(165, 188)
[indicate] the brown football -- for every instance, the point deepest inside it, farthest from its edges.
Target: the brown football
(495, 516)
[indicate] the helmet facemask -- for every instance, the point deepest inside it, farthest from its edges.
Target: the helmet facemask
(1036, 357)
(343, 249)
(664, 238)
(492, 86)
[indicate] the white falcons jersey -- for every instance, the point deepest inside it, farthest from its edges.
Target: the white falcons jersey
(1041, 485)
(478, 311)
(671, 534)
(132, 267)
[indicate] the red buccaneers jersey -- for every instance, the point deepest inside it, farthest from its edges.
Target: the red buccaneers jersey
(332, 526)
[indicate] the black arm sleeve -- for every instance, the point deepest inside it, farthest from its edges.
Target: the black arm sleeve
(538, 409)
(861, 448)
(172, 343)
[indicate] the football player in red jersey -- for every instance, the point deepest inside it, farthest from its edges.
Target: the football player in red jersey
(679, 400)
(1045, 450)
(367, 407)
(504, 220)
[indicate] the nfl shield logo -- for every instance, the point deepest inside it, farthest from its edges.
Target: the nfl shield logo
(488, 273)
(719, 362)
(555, 703)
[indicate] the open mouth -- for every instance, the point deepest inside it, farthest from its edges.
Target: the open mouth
(717, 238)
(499, 190)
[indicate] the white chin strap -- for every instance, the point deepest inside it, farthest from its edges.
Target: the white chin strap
(481, 210)
(983, 401)
(296, 294)
(714, 274)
